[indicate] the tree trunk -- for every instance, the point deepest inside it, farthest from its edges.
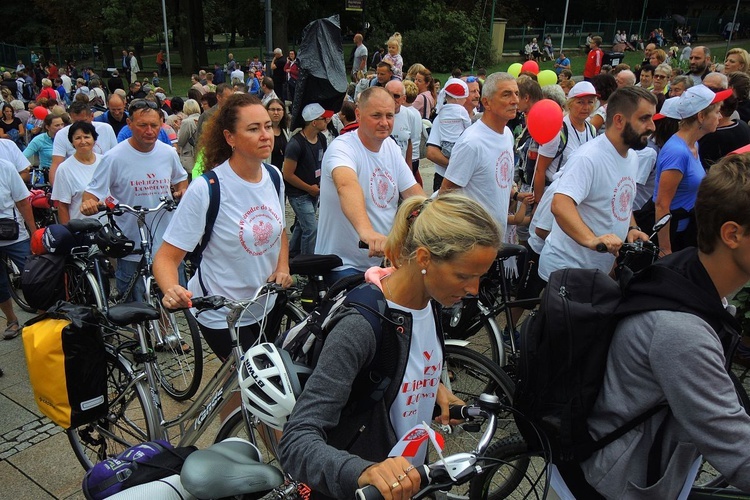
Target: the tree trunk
(198, 32)
(280, 14)
(187, 49)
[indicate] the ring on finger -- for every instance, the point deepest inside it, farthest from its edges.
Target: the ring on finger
(409, 469)
(401, 477)
(395, 485)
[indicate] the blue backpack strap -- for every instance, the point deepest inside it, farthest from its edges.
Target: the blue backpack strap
(214, 199)
(275, 177)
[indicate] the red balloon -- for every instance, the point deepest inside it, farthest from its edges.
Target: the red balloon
(544, 120)
(530, 67)
(40, 112)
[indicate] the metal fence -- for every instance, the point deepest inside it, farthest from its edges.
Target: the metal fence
(576, 33)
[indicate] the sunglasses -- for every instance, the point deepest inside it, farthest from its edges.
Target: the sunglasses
(472, 79)
(396, 96)
(141, 104)
(659, 77)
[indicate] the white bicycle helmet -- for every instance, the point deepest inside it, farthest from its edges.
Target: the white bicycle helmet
(270, 383)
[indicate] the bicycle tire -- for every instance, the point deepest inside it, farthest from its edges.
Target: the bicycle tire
(129, 419)
(178, 369)
(234, 426)
(81, 286)
(708, 477)
(13, 273)
(521, 473)
(474, 327)
(468, 374)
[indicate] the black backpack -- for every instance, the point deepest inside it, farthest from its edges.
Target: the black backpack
(42, 280)
(563, 359)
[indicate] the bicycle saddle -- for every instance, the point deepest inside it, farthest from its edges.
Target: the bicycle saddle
(231, 467)
(510, 250)
(132, 312)
(313, 264)
(83, 225)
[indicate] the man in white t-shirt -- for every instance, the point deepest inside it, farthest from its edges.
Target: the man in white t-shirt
(593, 199)
(363, 175)
(407, 127)
(10, 152)
(481, 164)
(137, 172)
(62, 148)
(359, 62)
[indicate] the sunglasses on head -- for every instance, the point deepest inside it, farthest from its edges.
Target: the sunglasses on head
(472, 79)
(142, 104)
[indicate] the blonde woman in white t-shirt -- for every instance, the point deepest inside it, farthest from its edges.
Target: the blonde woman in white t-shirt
(439, 249)
(248, 245)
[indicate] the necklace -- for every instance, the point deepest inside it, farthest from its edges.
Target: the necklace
(387, 286)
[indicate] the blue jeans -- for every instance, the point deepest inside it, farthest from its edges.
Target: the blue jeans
(306, 225)
(126, 269)
(18, 252)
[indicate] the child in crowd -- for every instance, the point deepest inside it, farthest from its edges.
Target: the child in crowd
(394, 55)
(155, 79)
(452, 118)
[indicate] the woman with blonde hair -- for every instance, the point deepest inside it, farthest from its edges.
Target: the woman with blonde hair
(413, 70)
(737, 59)
(439, 249)
(187, 135)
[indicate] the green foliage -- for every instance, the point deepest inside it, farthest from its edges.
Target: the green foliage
(742, 302)
(444, 38)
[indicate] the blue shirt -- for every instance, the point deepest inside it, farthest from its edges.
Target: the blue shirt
(676, 155)
(564, 62)
(126, 133)
(41, 145)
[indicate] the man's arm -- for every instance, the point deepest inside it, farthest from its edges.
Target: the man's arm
(352, 201)
(179, 189)
(289, 170)
(408, 153)
(24, 207)
(436, 156)
(448, 186)
(567, 217)
(89, 204)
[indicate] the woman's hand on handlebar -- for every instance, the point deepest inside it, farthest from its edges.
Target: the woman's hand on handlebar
(395, 478)
(176, 297)
(284, 279)
(445, 399)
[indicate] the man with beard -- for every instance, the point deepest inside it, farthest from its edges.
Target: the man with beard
(593, 201)
(700, 59)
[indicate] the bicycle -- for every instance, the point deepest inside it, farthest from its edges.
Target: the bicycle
(174, 336)
(13, 273)
(461, 468)
(135, 412)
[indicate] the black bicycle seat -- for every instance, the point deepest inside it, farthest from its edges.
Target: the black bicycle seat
(510, 250)
(231, 467)
(313, 264)
(132, 312)
(84, 225)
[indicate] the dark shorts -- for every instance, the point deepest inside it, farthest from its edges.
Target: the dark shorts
(220, 342)
(530, 284)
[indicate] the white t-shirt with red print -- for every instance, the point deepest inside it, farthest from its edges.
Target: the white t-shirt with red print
(482, 164)
(382, 177)
(138, 179)
(417, 396)
(602, 184)
(245, 244)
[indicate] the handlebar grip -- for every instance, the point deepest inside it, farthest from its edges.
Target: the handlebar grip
(370, 492)
(601, 248)
(363, 245)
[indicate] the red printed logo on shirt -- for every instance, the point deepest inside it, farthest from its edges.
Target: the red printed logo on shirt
(504, 169)
(382, 188)
(259, 230)
(622, 199)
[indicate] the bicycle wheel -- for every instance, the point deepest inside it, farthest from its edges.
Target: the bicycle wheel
(176, 340)
(468, 374)
(467, 322)
(510, 471)
(708, 476)
(13, 273)
(262, 436)
(128, 421)
(81, 286)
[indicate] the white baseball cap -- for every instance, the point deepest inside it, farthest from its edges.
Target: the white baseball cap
(693, 100)
(582, 89)
(314, 111)
(455, 87)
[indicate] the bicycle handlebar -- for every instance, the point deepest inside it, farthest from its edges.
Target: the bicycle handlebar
(120, 208)
(215, 302)
(453, 469)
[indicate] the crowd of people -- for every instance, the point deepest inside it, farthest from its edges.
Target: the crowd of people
(635, 144)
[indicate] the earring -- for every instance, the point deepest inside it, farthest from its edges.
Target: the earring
(424, 271)
(232, 149)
